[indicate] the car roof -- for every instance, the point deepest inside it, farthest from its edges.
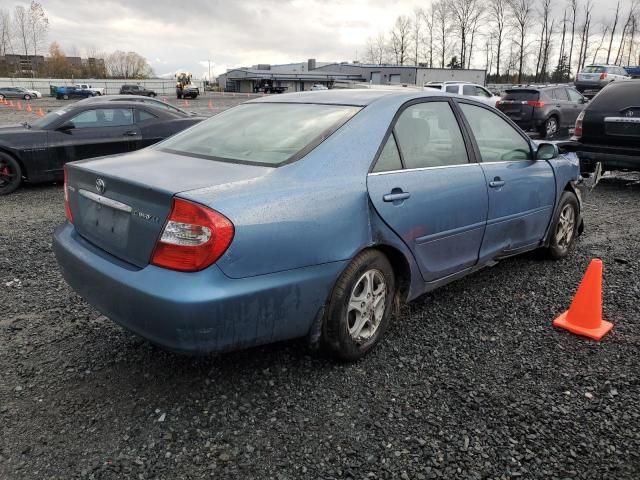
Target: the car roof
(121, 104)
(355, 97)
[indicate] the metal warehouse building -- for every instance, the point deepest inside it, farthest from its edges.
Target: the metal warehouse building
(302, 76)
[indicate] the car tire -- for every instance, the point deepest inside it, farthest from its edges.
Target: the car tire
(152, 95)
(10, 174)
(360, 307)
(564, 230)
(1, 97)
(550, 127)
(65, 97)
(98, 94)
(27, 97)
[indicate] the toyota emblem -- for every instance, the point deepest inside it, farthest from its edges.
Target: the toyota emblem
(100, 186)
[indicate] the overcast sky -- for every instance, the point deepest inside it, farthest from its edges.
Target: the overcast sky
(185, 34)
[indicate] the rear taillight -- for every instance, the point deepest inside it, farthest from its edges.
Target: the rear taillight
(578, 129)
(603, 76)
(193, 238)
(535, 103)
(67, 208)
(499, 102)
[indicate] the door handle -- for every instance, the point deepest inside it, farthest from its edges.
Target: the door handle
(130, 133)
(497, 183)
(396, 196)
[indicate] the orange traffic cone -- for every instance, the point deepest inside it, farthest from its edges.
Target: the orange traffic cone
(18, 105)
(29, 107)
(584, 316)
(40, 112)
(210, 104)
(186, 103)
(11, 103)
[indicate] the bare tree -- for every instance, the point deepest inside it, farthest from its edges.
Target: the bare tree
(546, 11)
(441, 20)
(498, 20)
(573, 5)
(584, 35)
(463, 13)
(564, 32)
(400, 35)
(21, 28)
(604, 34)
(376, 49)
(418, 20)
(430, 25)
(625, 29)
(5, 32)
(613, 31)
(475, 24)
(631, 39)
(128, 65)
(38, 26)
(521, 11)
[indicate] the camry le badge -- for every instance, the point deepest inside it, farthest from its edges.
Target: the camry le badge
(100, 185)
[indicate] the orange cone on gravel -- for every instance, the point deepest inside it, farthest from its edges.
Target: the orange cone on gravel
(40, 113)
(210, 105)
(11, 103)
(29, 107)
(584, 316)
(18, 105)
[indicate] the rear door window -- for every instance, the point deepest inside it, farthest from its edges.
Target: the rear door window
(561, 94)
(574, 96)
(593, 69)
(453, 88)
(428, 135)
(389, 158)
(497, 140)
(103, 117)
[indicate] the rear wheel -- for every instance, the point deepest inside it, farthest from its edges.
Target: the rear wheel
(65, 97)
(565, 227)
(1, 97)
(359, 310)
(550, 127)
(152, 94)
(27, 97)
(10, 174)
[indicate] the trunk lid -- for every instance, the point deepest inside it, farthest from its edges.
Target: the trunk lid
(120, 203)
(613, 116)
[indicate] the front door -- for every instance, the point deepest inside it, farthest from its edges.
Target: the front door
(424, 187)
(94, 133)
(521, 190)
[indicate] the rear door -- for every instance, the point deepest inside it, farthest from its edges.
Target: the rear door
(425, 188)
(577, 102)
(96, 132)
(521, 190)
(564, 107)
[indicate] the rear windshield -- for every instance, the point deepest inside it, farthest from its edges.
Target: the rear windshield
(261, 133)
(521, 95)
(437, 87)
(593, 69)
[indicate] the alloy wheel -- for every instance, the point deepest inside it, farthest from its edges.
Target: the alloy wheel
(566, 226)
(6, 173)
(366, 305)
(552, 126)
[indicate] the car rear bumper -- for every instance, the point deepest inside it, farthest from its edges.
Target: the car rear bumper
(196, 312)
(611, 157)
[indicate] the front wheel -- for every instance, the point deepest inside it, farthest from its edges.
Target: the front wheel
(65, 97)
(360, 306)
(565, 227)
(1, 97)
(152, 95)
(27, 97)
(10, 174)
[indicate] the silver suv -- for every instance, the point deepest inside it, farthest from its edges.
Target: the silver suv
(596, 77)
(477, 92)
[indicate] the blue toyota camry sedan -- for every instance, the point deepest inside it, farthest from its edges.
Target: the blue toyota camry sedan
(309, 214)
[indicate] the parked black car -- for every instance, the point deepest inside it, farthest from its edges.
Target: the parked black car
(37, 152)
(608, 130)
(136, 90)
(545, 109)
(137, 98)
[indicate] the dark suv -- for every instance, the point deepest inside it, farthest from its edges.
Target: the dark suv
(608, 131)
(545, 110)
(136, 90)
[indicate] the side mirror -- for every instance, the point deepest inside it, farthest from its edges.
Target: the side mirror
(584, 100)
(547, 151)
(66, 127)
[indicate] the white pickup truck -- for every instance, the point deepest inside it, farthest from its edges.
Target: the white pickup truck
(84, 86)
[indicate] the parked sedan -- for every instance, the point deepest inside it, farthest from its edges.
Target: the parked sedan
(544, 109)
(18, 92)
(608, 130)
(66, 93)
(136, 90)
(315, 226)
(37, 152)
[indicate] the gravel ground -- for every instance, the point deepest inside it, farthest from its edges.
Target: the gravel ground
(472, 380)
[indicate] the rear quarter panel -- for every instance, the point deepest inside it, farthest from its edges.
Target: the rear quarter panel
(312, 211)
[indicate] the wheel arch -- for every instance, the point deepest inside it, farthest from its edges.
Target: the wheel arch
(17, 158)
